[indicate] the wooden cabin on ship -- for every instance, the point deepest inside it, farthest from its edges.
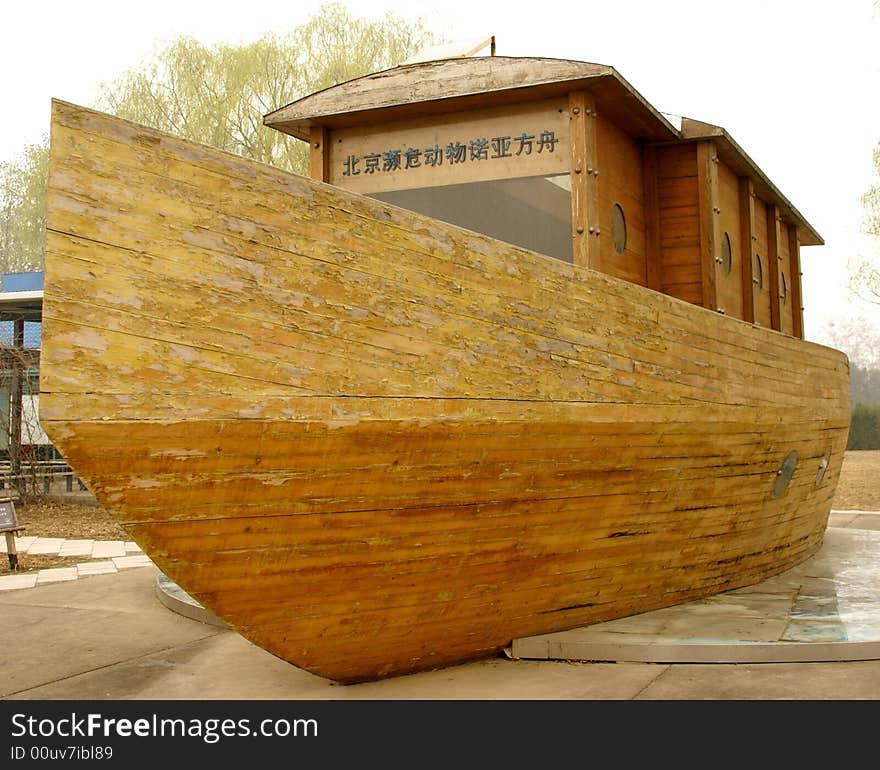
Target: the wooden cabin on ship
(566, 158)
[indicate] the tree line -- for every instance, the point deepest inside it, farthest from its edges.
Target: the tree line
(864, 431)
(864, 428)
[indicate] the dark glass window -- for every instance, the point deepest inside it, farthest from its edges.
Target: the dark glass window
(618, 228)
(533, 212)
(726, 255)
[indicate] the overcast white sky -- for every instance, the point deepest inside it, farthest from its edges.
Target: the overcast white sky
(795, 82)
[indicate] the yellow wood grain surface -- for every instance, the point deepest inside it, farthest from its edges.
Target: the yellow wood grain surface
(621, 183)
(373, 443)
(763, 305)
(729, 286)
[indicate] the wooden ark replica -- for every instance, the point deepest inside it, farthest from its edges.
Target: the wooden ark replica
(531, 360)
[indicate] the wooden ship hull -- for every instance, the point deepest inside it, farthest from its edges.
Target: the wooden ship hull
(374, 443)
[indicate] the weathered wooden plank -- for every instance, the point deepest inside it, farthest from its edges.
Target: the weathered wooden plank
(678, 200)
(494, 143)
(653, 267)
(436, 80)
(747, 247)
(404, 92)
(584, 180)
(677, 161)
(762, 265)
(681, 192)
(773, 269)
(729, 281)
(783, 281)
(319, 154)
(621, 185)
(797, 301)
(707, 166)
(354, 310)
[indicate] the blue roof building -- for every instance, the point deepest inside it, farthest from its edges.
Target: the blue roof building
(21, 293)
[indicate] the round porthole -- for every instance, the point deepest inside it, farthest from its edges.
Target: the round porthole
(823, 466)
(784, 474)
(726, 255)
(759, 272)
(618, 228)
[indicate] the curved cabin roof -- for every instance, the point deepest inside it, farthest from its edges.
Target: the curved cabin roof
(448, 85)
(415, 90)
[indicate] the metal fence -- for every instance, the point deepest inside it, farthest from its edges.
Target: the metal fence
(41, 476)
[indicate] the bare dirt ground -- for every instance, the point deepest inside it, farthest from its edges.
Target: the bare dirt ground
(859, 486)
(69, 520)
(859, 489)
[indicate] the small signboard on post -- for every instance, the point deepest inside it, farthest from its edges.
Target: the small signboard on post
(9, 526)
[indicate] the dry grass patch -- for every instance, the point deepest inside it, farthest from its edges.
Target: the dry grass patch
(859, 486)
(72, 521)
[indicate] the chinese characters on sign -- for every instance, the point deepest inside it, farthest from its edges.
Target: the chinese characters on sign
(475, 150)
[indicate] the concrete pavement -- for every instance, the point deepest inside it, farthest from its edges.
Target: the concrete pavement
(108, 636)
(98, 557)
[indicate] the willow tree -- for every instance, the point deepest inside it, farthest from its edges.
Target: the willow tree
(866, 278)
(217, 95)
(23, 209)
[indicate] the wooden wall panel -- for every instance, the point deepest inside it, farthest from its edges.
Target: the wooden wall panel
(583, 152)
(319, 154)
(783, 263)
(652, 217)
(761, 282)
(710, 236)
(679, 222)
(357, 155)
(728, 285)
(621, 182)
(797, 294)
(772, 272)
(748, 246)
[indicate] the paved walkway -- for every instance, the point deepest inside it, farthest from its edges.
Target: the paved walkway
(825, 609)
(104, 557)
